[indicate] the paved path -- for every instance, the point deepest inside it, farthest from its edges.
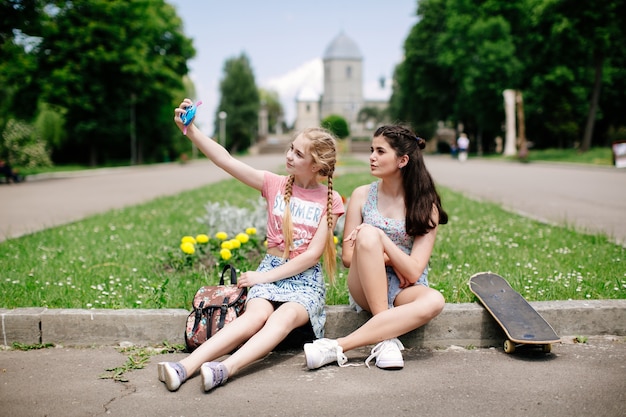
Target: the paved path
(66, 197)
(576, 380)
(592, 199)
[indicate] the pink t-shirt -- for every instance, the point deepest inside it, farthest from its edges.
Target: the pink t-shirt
(308, 206)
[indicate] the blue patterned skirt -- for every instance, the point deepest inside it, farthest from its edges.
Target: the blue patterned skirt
(306, 288)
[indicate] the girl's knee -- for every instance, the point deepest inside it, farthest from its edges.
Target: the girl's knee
(437, 302)
(368, 238)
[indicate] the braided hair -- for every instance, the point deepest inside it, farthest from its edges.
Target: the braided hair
(420, 194)
(323, 149)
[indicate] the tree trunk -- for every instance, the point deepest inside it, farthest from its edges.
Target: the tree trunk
(593, 106)
(93, 155)
(521, 138)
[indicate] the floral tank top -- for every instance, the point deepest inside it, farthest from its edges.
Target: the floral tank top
(393, 228)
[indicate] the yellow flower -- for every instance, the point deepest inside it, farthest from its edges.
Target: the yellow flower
(335, 239)
(251, 231)
(242, 237)
(202, 238)
(188, 239)
(225, 254)
(221, 235)
(227, 245)
(188, 248)
(235, 243)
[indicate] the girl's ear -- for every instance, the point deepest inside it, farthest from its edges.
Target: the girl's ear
(403, 161)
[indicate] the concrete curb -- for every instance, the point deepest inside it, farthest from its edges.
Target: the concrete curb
(466, 324)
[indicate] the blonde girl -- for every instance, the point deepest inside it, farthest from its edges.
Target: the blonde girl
(287, 291)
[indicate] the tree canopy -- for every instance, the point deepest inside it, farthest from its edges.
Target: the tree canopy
(240, 100)
(114, 70)
(564, 56)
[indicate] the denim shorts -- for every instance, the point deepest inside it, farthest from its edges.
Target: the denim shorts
(393, 287)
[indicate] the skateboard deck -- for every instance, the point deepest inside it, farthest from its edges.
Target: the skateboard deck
(522, 324)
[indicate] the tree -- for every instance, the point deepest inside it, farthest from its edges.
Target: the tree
(19, 28)
(337, 125)
(371, 116)
(423, 91)
(593, 33)
(240, 100)
(462, 54)
(105, 60)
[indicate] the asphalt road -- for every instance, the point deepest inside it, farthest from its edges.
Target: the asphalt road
(592, 199)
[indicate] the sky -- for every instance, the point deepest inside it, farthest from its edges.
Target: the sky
(285, 41)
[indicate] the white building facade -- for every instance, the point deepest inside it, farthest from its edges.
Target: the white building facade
(343, 90)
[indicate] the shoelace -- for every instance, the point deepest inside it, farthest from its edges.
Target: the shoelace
(332, 350)
(219, 374)
(341, 357)
(381, 347)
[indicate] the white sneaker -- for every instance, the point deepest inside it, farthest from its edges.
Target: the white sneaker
(169, 374)
(213, 374)
(387, 354)
(322, 352)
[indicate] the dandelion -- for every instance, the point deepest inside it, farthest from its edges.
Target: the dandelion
(188, 248)
(251, 231)
(242, 237)
(188, 239)
(202, 238)
(235, 243)
(335, 239)
(227, 245)
(221, 235)
(225, 254)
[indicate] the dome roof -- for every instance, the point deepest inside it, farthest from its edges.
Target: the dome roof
(342, 47)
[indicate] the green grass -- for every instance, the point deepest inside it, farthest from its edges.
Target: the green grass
(595, 156)
(124, 258)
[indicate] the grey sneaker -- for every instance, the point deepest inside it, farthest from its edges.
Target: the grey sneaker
(213, 374)
(387, 354)
(172, 374)
(322, 352)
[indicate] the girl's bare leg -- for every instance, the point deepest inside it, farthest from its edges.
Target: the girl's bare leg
(367, 281)
(367, 278)
(415, 306)
(281, 322)
(226, 340)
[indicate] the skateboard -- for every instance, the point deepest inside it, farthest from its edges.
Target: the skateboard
(522, 324)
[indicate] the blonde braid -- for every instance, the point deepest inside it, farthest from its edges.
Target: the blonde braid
(287, 223)
(330, 251)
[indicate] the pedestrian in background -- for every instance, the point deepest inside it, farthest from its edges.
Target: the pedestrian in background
(463, 145)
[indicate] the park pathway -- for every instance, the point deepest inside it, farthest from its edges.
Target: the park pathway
(592, 199)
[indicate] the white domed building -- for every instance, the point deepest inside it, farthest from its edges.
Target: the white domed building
(343, 91)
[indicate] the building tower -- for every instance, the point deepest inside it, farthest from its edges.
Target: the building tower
(343, 80)
(307, 109)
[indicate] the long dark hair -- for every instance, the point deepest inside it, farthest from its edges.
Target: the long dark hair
(420, 194)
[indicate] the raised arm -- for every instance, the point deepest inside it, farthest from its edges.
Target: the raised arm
(215, 152)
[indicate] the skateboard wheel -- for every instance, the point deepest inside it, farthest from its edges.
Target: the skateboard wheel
(509, 347)
(547, 348)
